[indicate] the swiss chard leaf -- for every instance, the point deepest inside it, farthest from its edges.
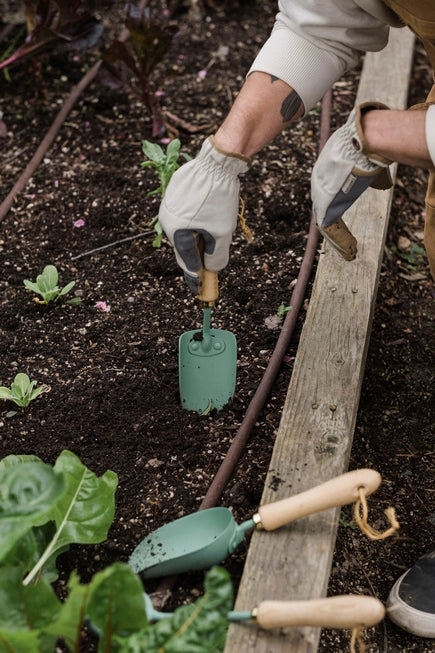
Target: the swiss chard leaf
(25, 612)
(68, 621)
(29, 548)
(84, 513)
(198, 628)
(28, 490)
(116, 606)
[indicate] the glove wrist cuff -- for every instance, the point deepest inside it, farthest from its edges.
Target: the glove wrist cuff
(360, 140)
(239, 160)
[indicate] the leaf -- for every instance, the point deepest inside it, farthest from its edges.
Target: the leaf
(68, 621)
(157, 242)
(198, 628)
(173, 153)
(67, 288)
(85, 511)
(29, 548)
(32, 286)
(153, 151)
(50, 276)
(117, 52)
(24, 611)
(28, 490)
(36, 392)
(5, 393)
(116, 605)
(21, 384)
(76, 301)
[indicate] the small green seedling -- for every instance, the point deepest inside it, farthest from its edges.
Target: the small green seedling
(283, 309)
(275, 321)
(22, 390)
(165, 164)
(46, 286)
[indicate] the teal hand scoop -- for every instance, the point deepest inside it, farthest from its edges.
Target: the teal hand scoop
(207, 357)
(205, 538)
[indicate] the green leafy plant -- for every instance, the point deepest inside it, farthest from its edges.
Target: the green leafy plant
(45, 509)
(22, 390)
(165, 164)
(57, 22)
(46, 286)
(131, 64)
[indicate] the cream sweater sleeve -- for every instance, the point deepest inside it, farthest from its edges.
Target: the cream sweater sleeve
(313, 43)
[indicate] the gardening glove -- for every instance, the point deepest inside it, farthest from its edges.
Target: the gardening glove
(343, 171)
(202, 199)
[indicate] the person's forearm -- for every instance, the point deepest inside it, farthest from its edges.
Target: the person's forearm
(398, 135)
(264, 106)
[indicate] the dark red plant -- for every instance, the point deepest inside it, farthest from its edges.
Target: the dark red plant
(131, 64)
(52, 22)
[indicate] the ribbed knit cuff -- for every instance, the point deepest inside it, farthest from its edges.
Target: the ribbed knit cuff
(430, 131)
(308, 69)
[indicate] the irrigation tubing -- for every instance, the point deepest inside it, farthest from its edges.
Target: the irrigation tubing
(226, 469)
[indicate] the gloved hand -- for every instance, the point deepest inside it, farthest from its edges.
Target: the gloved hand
(202, 199)
(342, 172)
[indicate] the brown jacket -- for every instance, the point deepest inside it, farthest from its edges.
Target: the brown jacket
(419, 15)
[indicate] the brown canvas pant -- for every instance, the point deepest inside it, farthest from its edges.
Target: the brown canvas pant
(419, 16)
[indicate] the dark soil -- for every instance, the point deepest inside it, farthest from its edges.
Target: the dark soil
(113, 375)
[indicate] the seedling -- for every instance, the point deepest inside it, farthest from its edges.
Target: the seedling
(22, 390)
(46, 286)
(165, 164)
(283, 309)
(275, 321)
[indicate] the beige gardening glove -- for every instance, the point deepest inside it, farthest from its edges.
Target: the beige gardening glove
(203, 198)
(342, 172)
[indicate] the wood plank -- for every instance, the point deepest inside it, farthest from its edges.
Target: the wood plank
(316, 430)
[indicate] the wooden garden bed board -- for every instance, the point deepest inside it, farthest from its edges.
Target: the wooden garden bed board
(316, 430)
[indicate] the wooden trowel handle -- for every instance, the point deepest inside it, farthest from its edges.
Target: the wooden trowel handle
(208, 287)
(338, 491)
(332, 612)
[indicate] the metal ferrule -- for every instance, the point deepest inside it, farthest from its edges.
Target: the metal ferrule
(258, 525)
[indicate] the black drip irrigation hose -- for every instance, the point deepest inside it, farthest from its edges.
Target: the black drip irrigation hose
(226, 469)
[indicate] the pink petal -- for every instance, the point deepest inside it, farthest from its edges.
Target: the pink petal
(103, 307)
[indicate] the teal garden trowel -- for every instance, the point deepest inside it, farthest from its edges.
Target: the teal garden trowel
(207, 357)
